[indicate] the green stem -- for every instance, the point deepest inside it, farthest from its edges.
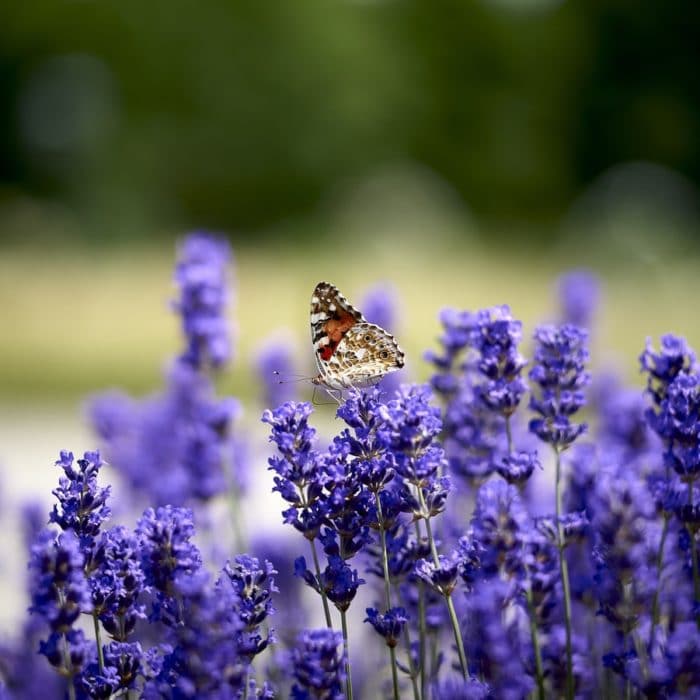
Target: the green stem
(317, 566)
(348, 678)
(245, 685)
(385, 556)
(387, 589)
(412, 670)
(564, 571)
(539, 674)
(463, 662)
(655, 613)
(509, 435)
(69, 668)
(422, 627)
(100, 653)
(394, 673)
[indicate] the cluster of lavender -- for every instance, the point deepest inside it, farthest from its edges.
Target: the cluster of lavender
(474, 529)
(177, 447)
(159, 624)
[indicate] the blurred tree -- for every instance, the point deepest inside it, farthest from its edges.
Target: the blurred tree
(241, 114)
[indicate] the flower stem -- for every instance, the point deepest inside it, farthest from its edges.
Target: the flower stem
(655, 614)
(387, 589)
(348, 678)
(413, 675)
(509, 435)
(539, 674)
(100, 653)
(69, 668)
(317, 566)
(463, 662)
(564, 571)
(422, 627)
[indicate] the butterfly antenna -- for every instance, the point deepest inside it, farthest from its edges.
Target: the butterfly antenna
(297, 378)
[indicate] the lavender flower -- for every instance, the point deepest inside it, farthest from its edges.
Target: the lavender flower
(204, 660)
(184, 432)
(117, 582)
(379, 305)
(410, 431)
(441, 576)
(499, 362)
(674, 357)
(123, 668)
(389, 624)
(299, 480)
(560, 356)
(58, 587)
(517, 468)
(254, 586)
(317, 663)
(678, 424)
(579, 294)
(338, 581)
(201, 276)
(166, 555)
(59, 593)
(499, 526)
(81, 503)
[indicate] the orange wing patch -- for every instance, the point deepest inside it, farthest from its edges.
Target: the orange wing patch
(335, 329)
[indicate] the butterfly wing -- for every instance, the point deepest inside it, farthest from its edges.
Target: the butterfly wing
(365, 354)
(332, 316)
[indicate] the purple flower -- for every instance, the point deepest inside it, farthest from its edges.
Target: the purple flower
(123, 666)
(579, 294)
(389, 624)
(558, 369)
(379, 305)
(68, 652)
(166, 555)
(573, 527)
(411, 427)
(678, 424)
(500, 527)
(500, 363)
(117, 582)
(58, 587)
(494, 647)
(456, 688)
(442, 576)
(317, 663)
(184, 432)
(300, 476)
(81, 502)
(254, 585)
(517, 468)
(201, 275)
(674, 356)
(458, 338)
(203, 659)
(338, 581)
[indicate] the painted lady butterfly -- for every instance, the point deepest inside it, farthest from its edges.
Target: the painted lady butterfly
(350, 352)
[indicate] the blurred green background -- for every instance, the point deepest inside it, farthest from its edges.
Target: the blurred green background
(467, 151)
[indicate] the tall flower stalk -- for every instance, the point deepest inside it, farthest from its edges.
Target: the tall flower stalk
(558, 370)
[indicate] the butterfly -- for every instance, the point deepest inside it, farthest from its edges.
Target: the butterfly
(350, 352)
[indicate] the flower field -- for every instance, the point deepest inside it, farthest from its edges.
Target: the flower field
(518, 523)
